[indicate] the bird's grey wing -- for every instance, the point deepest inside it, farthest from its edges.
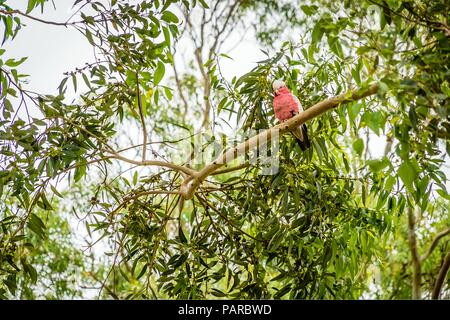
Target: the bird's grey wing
(297, 132)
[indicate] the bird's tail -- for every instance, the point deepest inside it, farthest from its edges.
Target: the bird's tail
(306, 141)
(301, 135)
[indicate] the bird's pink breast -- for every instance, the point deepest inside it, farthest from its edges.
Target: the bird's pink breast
(284, 105)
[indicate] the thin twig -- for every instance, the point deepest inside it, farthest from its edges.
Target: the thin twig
(12, 12)
(173, 166)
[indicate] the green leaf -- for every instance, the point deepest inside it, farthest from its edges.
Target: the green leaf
(309, 10)
(217, 292)
(37, 226)
(168, 93)
(159, 73)
(382, 87)
(275, 242)
(166, 33)
(335, 46)
(389, 184)
(226, 56)
(14, 63)
(374, 120)
(445, 88)
(86, 80)
(89, 37)
(11, 283)
(378, 164)
(56, 192)
(167, 4)
(169, 17)
(4, 173)
(181, 234)
(31, 5)
(317, 33)
(356, 76)
(353, 111)
(62, 86)
(318, 150)
(413, 116)
(221, 104)
(443, 194)
(74, 81)
(203, 3)
(408, 174)
(144, 268)
(282, 292)
(135, 178)
(358, 146)
(31, 271)
(45, 204)
(80, 171)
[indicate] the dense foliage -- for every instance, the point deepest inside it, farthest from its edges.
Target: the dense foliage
(363, 213)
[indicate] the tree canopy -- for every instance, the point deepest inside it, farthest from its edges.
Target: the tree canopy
(139, 177)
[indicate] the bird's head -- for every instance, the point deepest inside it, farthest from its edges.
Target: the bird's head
(277, 85)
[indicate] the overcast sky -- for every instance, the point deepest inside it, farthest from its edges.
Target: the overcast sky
(53, 50)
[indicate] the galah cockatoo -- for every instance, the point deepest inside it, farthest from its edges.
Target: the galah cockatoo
(285, 106)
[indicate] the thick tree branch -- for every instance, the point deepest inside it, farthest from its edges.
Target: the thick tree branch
(191, 183)
(441, 277)
(415, 254)
(439, 236)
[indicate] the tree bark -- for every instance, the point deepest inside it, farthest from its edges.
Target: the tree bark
(441, 277)
(417, 277)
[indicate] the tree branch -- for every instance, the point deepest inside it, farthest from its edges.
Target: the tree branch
(439, 236)
(415, 255)
(206, 86)
(12, 12)
(191, 183)
(180, 90)
(165, 164)
(441, 277)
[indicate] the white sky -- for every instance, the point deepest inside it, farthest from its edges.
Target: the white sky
(51, 50)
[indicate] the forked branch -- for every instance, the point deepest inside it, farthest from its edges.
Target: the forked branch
(191, 183)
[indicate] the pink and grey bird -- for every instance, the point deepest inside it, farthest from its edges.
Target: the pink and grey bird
(285, 106)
